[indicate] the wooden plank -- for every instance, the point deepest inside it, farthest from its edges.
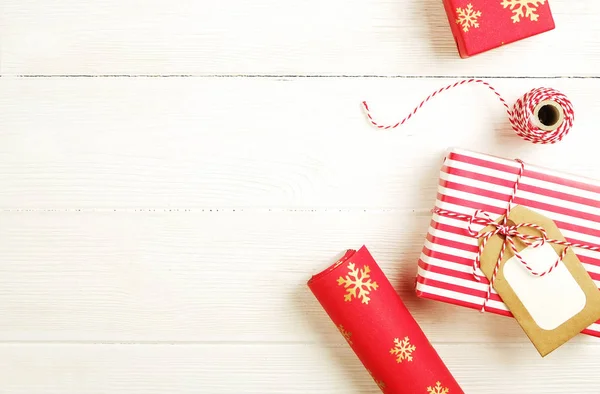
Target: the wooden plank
(262, 368)
(374, 37)
(211, 276)
(147, 143)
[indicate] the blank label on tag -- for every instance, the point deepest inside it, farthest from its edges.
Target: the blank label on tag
(552, 299)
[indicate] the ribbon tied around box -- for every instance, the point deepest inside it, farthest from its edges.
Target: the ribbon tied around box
(533, 240)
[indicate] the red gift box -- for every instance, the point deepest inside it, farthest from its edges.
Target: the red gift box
(372, 318)
(481, 25)
(472, 181)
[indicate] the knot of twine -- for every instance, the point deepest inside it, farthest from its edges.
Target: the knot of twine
(521, 116)
(510, 232)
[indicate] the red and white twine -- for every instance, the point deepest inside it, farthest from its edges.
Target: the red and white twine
(520, 116)
(510, 234)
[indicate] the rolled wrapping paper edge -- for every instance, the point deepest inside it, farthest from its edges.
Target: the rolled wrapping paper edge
(443, 374)
(347, 256)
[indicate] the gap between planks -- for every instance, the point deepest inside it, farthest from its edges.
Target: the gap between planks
(341, 345)
(217, 210)
(293, 76)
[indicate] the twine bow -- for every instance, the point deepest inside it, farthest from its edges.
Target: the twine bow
(511, 233)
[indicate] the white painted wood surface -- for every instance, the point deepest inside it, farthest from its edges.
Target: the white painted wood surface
(173, 172)
(332, 37)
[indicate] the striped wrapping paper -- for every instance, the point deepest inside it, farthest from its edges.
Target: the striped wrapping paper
(471, 181)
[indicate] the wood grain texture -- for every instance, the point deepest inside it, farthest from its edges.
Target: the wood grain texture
(188, 277)
(158, 143)
(263, 368)
(156, 234)
(351, 37)
(140, 210)
(202, 277)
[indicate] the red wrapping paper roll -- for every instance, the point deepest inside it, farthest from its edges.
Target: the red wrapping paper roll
(364, 306)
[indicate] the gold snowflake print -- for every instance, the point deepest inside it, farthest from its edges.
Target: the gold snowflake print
(358, 283)
(379, 383)
(438, 389)
(403, 350)
(346, 334)
(468, 17)
(523, 8)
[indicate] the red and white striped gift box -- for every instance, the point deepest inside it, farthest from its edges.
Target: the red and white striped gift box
(470, 181)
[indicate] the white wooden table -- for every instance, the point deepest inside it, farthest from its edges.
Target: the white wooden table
(172, 172)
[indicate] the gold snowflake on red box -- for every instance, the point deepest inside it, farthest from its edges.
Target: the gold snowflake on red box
(481, 25)
(523, 8)
(468, 17)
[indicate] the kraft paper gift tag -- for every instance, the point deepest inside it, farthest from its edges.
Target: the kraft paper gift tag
(552, 308)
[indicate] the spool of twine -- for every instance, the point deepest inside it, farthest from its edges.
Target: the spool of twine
(541, 116)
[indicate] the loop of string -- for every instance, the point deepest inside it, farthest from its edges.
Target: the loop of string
(511, 234)
(521, 116)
